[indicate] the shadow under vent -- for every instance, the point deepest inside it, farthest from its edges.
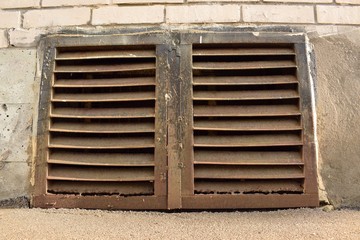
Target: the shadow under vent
(247, 119)
(102, 121)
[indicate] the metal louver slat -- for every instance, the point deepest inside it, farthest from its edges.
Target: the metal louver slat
(243, 51)
(103, 112)
(104, 159)
(104, 97)
(248, 172)
(103, 127)
(105, 68)
(248, 187)
(245, 111)
(245, 95)
(241, 157)
(243, 65)
(244, 80)
(115, 82)
(94, 188)
(246, 121)
(251, 124)
(100, 174)
(105, 54)
(101, 143)
(237, 140)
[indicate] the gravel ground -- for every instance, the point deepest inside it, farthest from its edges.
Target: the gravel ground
(95, 224)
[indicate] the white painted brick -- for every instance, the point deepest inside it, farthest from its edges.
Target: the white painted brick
(338, 14)
(24, 37)
(128, 15)
(19, 3)
(209, 1)
(278, 13)
(9, 19)
(348, 2)
(203, 13)
(146, 1)
(54, 3)
(3, 39)
(300, 1)
(56, 17)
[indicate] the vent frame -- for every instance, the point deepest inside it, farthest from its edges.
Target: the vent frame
(309, 196)
(175, 48)
(41, 196)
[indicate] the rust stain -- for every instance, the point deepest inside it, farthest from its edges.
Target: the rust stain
(3, 157)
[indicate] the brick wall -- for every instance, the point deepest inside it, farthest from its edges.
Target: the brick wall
(22, 21)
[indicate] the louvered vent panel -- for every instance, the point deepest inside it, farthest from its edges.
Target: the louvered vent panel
(247, 120)
(102, 121)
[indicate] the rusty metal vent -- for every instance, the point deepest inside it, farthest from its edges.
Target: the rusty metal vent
(247, 119)
(176, 120)
(102, 121)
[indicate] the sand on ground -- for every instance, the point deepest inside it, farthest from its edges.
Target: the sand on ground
(96, 224)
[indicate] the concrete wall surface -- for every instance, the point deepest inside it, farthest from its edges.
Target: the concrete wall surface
(338, 112)
(337, 57)
(17, 101)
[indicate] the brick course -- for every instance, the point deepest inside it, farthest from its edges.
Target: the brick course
(145, 1)
(338, 14)
(8, 4)
(25, 20)
(348, 2)
(300, 1)
(10, 19)
(278, 13)
(52, 3)
(24, 37)
(232, 1)
(203, 13)
(56, 17)
(3, 39)
(128, 15)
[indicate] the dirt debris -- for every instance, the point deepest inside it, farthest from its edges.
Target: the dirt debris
(95, 224)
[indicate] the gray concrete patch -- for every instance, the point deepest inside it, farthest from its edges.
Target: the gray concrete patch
(338, 104)
(17, 98)
(14, 180)
(17, 68)
(19, 202)
(15, 132)
(15, 150)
